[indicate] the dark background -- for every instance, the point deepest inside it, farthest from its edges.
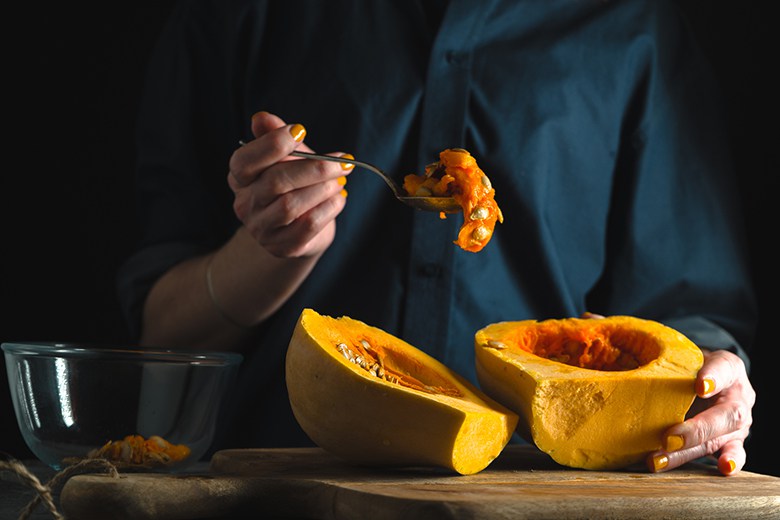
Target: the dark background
(73, 76)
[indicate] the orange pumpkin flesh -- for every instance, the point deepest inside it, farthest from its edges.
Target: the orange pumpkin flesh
(371, 398)
(592, 393)
(457, 175)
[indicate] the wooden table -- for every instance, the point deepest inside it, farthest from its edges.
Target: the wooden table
(521, 483)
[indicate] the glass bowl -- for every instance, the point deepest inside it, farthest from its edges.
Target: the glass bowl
(142, 409)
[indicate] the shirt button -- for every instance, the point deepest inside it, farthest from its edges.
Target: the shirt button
(430, 270)
(456, 58)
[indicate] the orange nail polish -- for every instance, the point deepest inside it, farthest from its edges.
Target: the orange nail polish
(343, 193)
(731, 465)
(298, 132)
(674, 442)
(660, 462)
(348, 166)
(342, 181)
(707, 386)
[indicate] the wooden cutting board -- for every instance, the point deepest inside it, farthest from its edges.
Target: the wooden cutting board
(521, 483)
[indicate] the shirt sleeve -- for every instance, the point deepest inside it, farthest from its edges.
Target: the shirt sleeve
(676, 246)
(184, 137)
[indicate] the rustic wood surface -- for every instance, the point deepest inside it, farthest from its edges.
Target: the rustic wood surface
(521, 483)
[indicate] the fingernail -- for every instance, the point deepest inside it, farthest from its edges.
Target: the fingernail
(660, 461)
(674, 442)
(348, 166)
(707, 386)
(343, 193)
(298, 132)
(342, 181)
(731, 466)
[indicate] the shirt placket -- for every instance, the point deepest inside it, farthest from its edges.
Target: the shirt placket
(443, 125)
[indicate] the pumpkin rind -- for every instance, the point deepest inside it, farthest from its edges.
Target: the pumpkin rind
(585, 417)
(369, 420)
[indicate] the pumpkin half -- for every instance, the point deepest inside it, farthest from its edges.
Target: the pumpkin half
(591, 393)
(373, 399)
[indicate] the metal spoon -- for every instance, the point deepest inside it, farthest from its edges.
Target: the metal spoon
(438, 204)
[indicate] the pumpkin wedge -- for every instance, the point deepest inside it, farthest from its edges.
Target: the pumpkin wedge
(373, 399)
(592, 393)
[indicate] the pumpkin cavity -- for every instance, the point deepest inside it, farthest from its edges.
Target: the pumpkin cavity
(383, 362)
(590, 345)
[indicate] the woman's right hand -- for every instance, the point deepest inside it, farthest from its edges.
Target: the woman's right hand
(289, 205)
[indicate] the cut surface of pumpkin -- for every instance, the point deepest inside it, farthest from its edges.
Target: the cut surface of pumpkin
(373, 399)
(592, 393)
(457, 175)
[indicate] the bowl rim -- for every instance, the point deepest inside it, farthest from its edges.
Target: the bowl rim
(128, 353)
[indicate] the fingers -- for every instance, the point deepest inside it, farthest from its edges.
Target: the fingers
(311, 231)
(591, 315)
(732, 457)
(721, 369)
(268, 149)
(263, 122)
(721, 427)
(287, 204)
(730, 461)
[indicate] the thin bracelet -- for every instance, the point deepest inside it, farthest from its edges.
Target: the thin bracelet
(216, 304)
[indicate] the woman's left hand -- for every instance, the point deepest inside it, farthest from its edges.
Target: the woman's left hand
(722, 422)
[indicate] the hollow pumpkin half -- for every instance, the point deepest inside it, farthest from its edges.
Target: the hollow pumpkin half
(373, 399)
(592, 393)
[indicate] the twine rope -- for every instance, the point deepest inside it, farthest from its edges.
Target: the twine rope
(45, 491)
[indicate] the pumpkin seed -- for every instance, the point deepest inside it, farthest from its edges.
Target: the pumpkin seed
(341, 347)
(498, 345)
(479, 213)
(486, 182)
(480, 233)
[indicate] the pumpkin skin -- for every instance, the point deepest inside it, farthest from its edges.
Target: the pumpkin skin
(420, 414)
(591, 393)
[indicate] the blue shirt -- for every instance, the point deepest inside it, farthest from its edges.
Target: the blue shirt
(596, 121)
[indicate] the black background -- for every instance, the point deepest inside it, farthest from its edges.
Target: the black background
(73, 76)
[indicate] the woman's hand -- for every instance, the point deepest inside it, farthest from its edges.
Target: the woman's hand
(288, 205)
(722, 421)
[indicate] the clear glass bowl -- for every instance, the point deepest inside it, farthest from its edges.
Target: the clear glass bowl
(74, 402)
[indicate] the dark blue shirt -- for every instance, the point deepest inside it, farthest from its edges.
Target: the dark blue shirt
(596, 121)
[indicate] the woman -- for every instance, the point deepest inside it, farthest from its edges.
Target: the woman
(595, 121)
